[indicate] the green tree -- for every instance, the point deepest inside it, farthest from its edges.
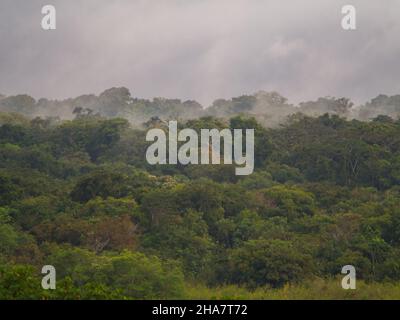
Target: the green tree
(267, 262)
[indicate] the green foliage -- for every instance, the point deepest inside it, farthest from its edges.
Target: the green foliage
(133, 274)
(20, 282)
(263, 262)
(80, 195)
(33, 210)
(291, 202)
(99, 184)
(185, 238)
(109, 207)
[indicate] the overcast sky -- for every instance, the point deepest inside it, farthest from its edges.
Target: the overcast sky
(201, 49)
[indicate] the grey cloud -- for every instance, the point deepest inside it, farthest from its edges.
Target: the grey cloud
(200, 50)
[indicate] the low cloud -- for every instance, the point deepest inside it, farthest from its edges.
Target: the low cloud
(200, 50)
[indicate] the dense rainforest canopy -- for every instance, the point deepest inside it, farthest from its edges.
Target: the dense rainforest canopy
(78, 194)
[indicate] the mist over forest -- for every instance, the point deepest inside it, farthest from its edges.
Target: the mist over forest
(270, 108)
(315, 86)
(77, 193)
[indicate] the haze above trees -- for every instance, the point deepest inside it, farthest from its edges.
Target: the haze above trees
(270, 108)
(79, 194)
